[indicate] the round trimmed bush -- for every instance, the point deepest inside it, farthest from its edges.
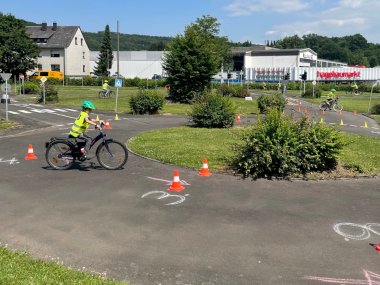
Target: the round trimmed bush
(31, 87)
(213, 111)
(266, 102)
(278, 147)
(375, 109)
(51, 94)
(146, 101)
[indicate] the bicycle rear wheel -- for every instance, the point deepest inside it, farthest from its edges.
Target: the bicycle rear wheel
(112, 155)
(101, 94)
(59, 155)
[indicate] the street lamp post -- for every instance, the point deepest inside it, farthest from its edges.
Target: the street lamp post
(370, 97)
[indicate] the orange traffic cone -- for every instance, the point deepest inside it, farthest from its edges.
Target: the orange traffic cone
(30, 155)
(238, 120)
(204, 171)
(107, 126)
(176, 184)
(375, 246)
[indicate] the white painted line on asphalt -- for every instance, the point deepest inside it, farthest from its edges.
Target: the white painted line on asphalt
(71, 110)
(25, 111)
(61, 110)
(60, 125)
(37, 111)
(355, 126)
(14, 113)
(375, 132)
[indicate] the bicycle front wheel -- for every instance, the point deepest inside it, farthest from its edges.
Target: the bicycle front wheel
(110, 94)
(337, 107)
(112, 155)
(59, 155)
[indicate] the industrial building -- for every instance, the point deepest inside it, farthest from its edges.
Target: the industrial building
(141, 64)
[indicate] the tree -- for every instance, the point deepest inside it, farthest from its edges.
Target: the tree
(17, 50)
(193, 58)
(106, 54)
(291, 42)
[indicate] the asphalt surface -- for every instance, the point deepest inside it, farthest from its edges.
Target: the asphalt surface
(219, 230)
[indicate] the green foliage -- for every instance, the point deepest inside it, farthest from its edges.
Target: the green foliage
(233, 90)
(352, 49)
(17, 51)
(146, 101)
(54, 81)
(127, 42)
(31, 87)
(375, 109)
(51, 94)
(193, 58)
(106, 55)
(213, 111)
(309, 91)
(266, 102)
(278, 147)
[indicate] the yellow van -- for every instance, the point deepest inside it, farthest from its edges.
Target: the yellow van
(48, 74)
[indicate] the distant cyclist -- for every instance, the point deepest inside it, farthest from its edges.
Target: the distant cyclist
(331, 98)
(355, 88)
(106, 88)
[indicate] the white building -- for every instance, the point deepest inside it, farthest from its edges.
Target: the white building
(63, 48)
(276, 58)
(141, 64)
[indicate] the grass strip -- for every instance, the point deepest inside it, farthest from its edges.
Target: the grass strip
(6, 124)
(19, 268)
(73, 96)
(186, 146)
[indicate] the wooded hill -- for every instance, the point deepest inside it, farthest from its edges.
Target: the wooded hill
(127, 41)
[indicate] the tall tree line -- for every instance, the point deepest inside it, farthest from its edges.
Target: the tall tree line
(354, 49)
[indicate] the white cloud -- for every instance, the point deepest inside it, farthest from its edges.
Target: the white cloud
(248, 7)
(346, 17)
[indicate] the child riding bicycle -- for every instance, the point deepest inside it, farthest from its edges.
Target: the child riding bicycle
(81, 125)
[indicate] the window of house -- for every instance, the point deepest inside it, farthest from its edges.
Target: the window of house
(76, 40)
(81, 42)
(84, 55)
(84, 68)
(54, 53)
(39, 66)
(39, 55)
(55, 67)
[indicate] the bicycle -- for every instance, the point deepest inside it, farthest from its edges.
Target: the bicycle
(102, 94)
(61, 152)
(334, 105)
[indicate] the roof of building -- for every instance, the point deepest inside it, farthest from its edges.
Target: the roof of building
(239, 50)
(142, 55)
(280, 52)
(59, 38)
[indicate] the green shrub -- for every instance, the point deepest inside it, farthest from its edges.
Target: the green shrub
(31, 87)
(375, 109)
(53, 81)
(213, 111)
(265, 102)
(309, 92)
(51, 94)
(278, 147)
(146, 101)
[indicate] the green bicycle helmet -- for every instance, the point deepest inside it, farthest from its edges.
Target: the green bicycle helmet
(333, 90)
(88, 105)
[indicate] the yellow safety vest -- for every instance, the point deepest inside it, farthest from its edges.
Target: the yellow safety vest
(105, 86)
(80, 125)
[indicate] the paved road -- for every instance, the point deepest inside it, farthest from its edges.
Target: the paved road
(223, 230)
(345, 121)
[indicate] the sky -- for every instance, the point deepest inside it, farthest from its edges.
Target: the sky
(240, 20)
